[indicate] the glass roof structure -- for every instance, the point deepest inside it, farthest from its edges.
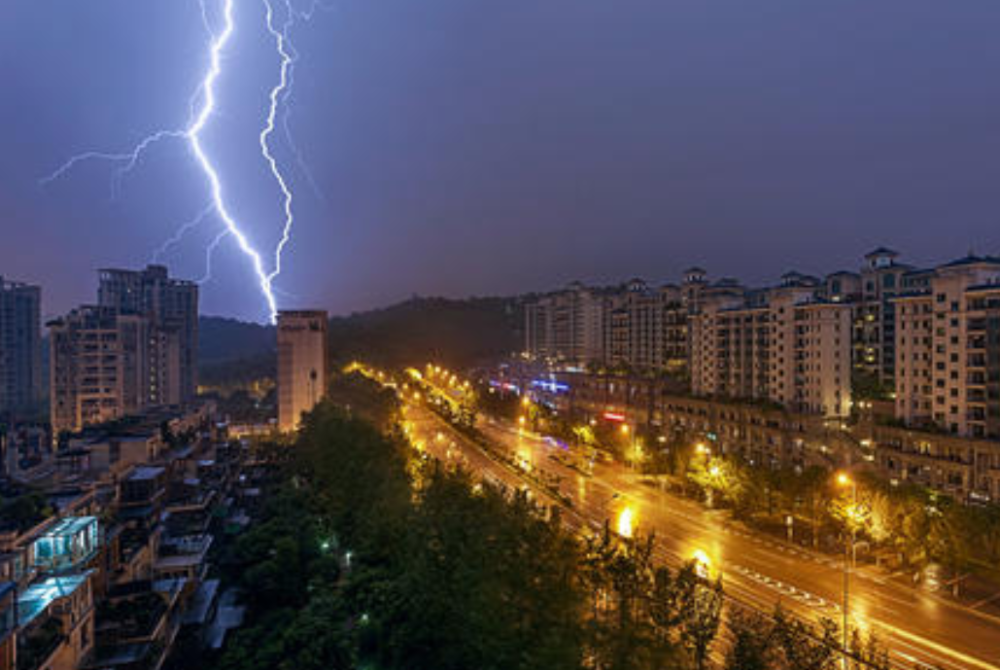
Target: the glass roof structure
(36, 598)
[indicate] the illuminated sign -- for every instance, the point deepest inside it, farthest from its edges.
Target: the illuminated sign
(550, 386)
(614, 416)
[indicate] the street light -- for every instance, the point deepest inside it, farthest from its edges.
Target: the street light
(843, 481)
(625, 520)
(702, 564)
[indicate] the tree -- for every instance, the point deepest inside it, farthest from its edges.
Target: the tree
(753, 644)
(702, 615)
(803, 648)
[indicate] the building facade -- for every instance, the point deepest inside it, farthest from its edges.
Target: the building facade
(646, 329)
(302, 364)
(172, 308)
(136, 349)
(99, 367)
(785, 345)
(948, 350)
(566, 325)
(20, 347)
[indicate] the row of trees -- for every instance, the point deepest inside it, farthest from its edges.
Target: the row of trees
(368, 556)
(909, 526)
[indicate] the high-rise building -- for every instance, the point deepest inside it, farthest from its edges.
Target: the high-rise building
(948, 350)
(566, 326)
(99, 367)
(646, 329)
(134, 350)
(784, 344)
(20, 347)
(302, 343)
(871, 292)
(172, 307)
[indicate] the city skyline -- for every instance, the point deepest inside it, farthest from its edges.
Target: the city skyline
(631, 141)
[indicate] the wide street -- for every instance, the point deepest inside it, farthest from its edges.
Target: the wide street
(920, 629)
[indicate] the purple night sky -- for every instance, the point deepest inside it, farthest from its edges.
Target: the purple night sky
(490, 147)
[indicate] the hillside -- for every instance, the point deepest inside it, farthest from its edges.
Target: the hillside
(456, 333)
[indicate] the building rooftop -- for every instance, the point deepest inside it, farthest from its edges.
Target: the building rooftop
(145, 472)
(70, 526)
(881, 251)
(971, 259)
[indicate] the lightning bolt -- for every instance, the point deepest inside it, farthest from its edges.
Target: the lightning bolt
(278, 94)
(202, 106)
(306, 15)
(209, 250)
(193, 134)
(130, 158)
(181, 232)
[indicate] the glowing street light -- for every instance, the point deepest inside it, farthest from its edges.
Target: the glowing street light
(843, 481)
(702, 564)
(625, 522)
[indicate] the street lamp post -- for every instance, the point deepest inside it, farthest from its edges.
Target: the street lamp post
(843, 480)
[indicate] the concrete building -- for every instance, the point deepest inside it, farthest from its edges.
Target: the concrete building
(871, 292)
(99, 367)
(646, 329)
(136, 349)
(948, 350)
(566, 326)
(302, 378)
(172, 307)
(20, 347)
(785, 344)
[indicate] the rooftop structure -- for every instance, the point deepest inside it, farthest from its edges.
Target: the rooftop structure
(35, 599)
(68, 545)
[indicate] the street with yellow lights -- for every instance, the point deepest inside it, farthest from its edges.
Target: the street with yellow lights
(921, 629)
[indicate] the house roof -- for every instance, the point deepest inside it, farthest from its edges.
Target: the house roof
(881, 251)
(971, 259)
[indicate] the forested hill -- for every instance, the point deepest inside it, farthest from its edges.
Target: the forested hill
(456, 333)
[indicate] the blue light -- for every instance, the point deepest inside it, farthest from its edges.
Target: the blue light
(550, 386)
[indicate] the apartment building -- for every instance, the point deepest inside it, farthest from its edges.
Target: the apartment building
(99, 367)
(948, 350)
(302, 378)
(566, 325)
(646, 329)
(20, 347)
(632, 326)
(171, 305)
(785, 344)
(136, 349)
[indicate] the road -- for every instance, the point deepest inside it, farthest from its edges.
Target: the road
(920, 629)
